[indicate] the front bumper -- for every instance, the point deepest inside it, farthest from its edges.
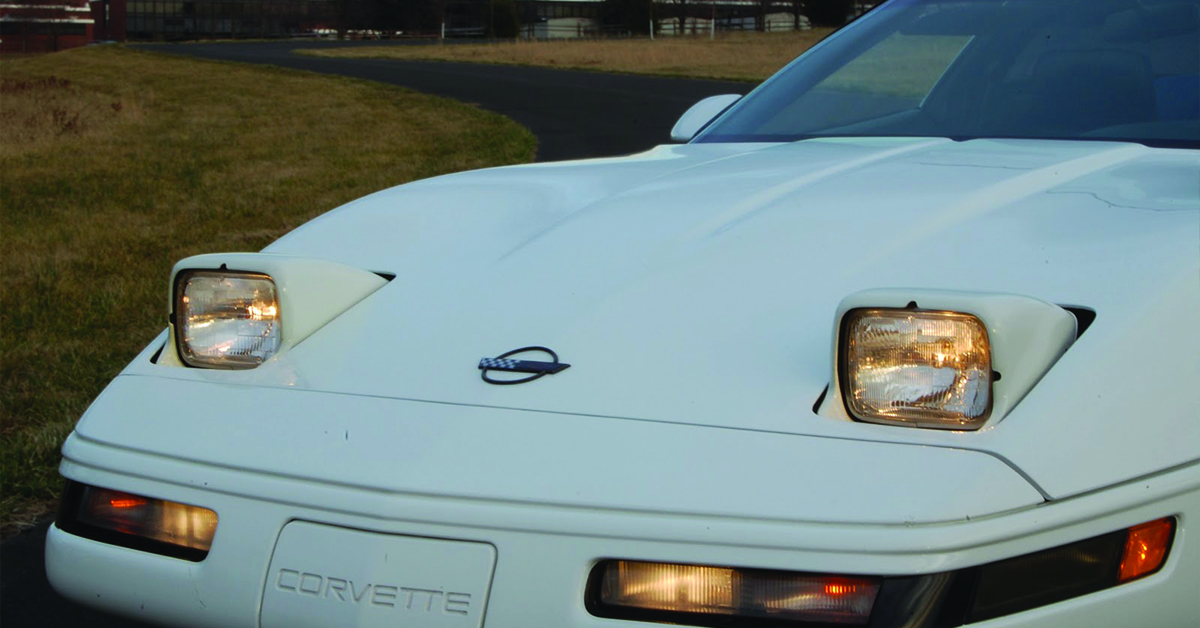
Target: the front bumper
(549, 532)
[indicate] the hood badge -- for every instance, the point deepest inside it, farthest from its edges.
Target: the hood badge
(503, 363)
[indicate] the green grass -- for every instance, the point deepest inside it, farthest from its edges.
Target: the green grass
(115, 163)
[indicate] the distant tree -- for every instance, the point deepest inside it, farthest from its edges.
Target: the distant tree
(634, 15)
(425, 15)
(829, 12)
(760, 19)
(351, 15)
(388, 15)
(682, 15)
(797, 9)
(505, 22)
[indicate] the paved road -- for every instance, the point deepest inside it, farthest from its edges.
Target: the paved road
(573, 114)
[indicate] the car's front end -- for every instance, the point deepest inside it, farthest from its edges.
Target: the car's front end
(857, 378)
(538, 542)
(544, 498)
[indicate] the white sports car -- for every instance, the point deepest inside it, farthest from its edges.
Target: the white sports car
(907, 337)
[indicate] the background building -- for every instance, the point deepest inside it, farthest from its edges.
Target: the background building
(44, 25)
(48, 25)
(172, 20)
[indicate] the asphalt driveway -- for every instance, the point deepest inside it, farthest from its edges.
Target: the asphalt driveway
(574, 115)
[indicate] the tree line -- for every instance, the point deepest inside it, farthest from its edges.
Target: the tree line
(503, 18)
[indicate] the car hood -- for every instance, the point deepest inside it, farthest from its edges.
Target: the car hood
(697, 284)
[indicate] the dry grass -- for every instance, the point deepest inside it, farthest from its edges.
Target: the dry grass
(38, 112)
(732, 56)
(115, 163)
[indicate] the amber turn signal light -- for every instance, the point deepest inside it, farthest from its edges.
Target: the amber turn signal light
(1061, 573)
(1146, 548)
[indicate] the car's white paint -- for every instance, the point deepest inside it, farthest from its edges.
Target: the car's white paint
(693, 290)
(324, 575)
(698, 285)
(546, 552)
(311, 292)
(700, 114)
(1027, 337)
(462, 451)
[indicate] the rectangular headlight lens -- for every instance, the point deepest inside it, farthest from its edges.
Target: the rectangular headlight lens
(226, 319)
(142, 523)
(924, 368)
(688, 593)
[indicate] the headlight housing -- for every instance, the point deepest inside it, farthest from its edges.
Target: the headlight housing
(925, 368)
(727, 596)
(234, 319)
(137, 522)
(916, 357)
(226, 319)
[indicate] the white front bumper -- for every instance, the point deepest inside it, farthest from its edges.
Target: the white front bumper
(552, 513)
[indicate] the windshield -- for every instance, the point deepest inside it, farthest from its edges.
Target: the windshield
(1123, 70)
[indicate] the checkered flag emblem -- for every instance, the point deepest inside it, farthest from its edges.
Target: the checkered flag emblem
(499, 364)
(508, 365)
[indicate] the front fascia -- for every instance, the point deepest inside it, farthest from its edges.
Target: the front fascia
(573, 461)
(546, 552)
(1117, 386)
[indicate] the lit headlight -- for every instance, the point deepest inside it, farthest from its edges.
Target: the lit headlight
(725, 596)
(924, 368)
(226, 319)
(137, 522)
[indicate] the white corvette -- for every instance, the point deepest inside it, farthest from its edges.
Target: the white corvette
(907, 337)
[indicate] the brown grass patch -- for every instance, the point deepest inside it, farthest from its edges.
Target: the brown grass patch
(731, 56)
(40, 113)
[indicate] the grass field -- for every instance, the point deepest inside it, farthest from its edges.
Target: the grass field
(116, 163)
(733, 56)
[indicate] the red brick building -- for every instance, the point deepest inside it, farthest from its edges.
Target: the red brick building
(44, 25)
(109, 16)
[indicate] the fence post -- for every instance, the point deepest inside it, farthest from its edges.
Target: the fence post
(651, 30)
(443, 35)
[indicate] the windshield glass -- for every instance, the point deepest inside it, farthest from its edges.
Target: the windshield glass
(1123, 70)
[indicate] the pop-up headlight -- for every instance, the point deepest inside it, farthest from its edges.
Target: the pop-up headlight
(928, 368)
(226, 319)
(934, 358)
(239, 319)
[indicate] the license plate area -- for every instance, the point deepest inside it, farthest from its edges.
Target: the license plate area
(324, 576)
